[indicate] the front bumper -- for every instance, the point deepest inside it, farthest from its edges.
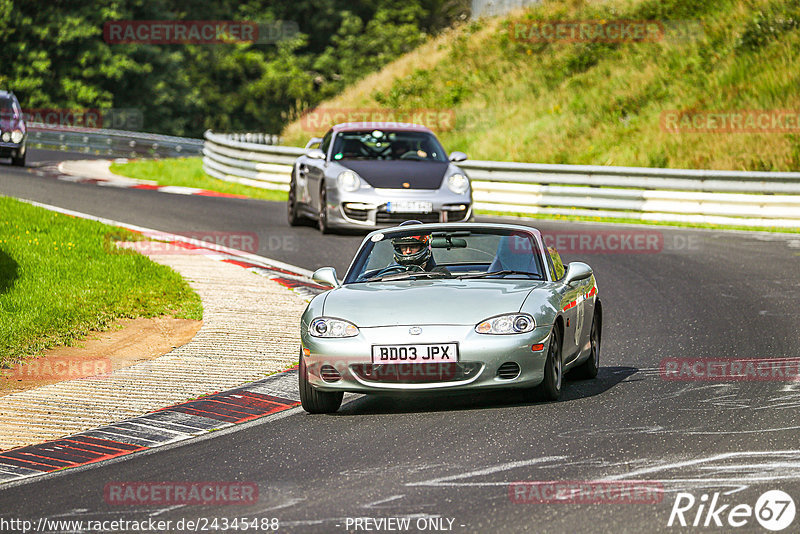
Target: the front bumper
(481, 356)
(367, 208)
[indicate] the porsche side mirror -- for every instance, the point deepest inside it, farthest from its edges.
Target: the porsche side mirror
(326, 276)
(577, 271)
(457, 156)
(315, 153)
(313, 141)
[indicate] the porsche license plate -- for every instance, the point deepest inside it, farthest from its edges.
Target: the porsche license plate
(427, 353)
(409, 206)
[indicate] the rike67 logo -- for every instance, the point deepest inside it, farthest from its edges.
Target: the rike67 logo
(774, 510)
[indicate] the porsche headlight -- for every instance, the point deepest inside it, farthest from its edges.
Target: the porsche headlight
(6, 137)
(16, 136)
(348, 181)
(512, 323)
(327, 327)
(458, 184)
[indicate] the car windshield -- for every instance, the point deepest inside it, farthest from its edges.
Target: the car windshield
(388, 145)
(6, 108)
(463, 254)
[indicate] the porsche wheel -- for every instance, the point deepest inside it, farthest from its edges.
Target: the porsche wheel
(19, 162)
(314, 401)
(589, 368)
(550, 388)
(291, 205)
(322, 220)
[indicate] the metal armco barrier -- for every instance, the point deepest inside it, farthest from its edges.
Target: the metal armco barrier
(768, 199)
(114, 143)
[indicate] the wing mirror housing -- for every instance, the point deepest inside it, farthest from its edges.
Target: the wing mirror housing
(315, 153)
(576, 271)
(313, 141)
(457, 156)
(326, 276)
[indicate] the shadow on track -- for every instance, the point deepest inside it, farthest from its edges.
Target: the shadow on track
(8, 272)
(607, 378)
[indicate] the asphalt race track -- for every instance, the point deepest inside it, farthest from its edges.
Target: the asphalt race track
(445, 462)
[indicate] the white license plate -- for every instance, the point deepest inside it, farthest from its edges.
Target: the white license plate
(409, 206)
(427, 353)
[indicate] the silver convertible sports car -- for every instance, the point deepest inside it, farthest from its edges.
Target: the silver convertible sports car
(370, 175)
(458, 306)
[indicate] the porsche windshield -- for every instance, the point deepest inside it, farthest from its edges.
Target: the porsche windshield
(464, 254)
(388, 145)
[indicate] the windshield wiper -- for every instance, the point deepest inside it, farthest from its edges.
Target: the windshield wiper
(407, 276)
(498, 273)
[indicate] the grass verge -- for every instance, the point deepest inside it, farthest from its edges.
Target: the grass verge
(59, 279)
(510, 98)
(188, 172)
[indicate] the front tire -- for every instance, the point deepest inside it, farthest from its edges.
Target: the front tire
(19, 162)
(550, 388)
(314, 401)
(322, 220)
(291, 205)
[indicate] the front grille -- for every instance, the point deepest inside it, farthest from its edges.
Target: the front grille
(383, 217)
(356, 215)
(508, 371)
(416, 373)
(329, 374)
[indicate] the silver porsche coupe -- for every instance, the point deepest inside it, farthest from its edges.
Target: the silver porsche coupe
(445, 307)
(372, 175)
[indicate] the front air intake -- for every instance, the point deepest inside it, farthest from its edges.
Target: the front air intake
(329, 374)
(508, 371)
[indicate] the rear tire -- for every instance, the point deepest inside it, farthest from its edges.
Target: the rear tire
(314, 401)
(550, 388)
(589, 368)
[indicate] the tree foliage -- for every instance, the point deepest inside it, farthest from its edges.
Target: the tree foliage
(53, 55)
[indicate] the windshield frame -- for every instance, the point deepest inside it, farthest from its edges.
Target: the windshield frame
(354, 271)
(442, 158)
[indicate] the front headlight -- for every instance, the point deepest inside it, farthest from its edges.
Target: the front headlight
(458, 184)
(512, 323)
(6, 137)
(348, 181)
(16, 136)
(327, 327)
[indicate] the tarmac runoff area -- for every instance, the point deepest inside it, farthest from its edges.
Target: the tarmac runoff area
(250, 330)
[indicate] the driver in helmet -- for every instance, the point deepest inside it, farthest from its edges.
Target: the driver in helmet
(414, 251)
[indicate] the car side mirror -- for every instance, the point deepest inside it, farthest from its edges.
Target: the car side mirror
(326, 276)
(577, 271)
(315, 153)
(313, 141)
(457, 156)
